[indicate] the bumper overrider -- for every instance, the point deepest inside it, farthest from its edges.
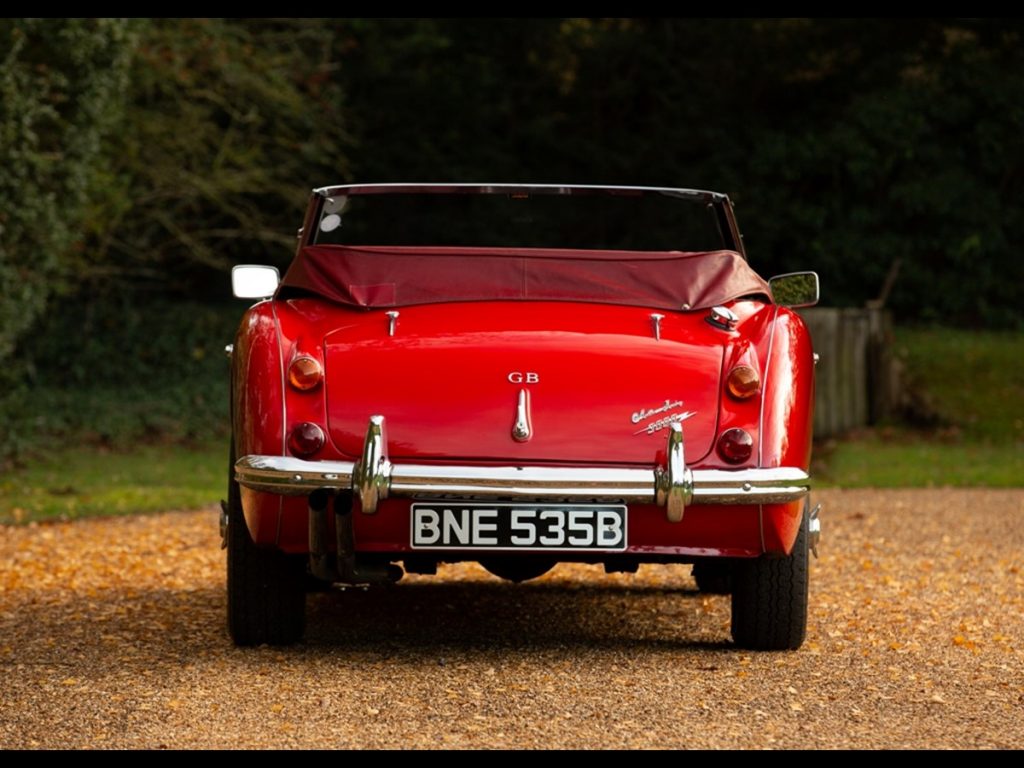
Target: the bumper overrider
(673, 486)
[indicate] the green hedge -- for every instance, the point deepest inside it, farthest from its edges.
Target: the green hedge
(141, 158)
(118, 372)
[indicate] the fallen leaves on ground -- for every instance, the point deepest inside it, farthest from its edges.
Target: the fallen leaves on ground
(112, 634)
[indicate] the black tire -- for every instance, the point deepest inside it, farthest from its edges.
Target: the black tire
(266, 587)
(712, 577)
(769, 598)
(518, 569)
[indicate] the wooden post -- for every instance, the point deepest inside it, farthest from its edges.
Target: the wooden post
(853, 379)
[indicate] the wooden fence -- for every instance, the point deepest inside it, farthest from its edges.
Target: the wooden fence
(857, 381)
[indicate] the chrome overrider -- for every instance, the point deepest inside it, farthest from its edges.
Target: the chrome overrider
(673, 486)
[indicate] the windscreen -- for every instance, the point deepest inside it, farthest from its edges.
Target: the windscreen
(621, 220)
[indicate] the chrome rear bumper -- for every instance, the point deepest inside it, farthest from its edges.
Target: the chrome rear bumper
(673, 486)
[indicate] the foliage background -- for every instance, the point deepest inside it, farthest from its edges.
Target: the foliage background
(140, 159)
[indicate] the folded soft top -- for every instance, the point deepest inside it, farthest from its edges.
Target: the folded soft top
(395, 276)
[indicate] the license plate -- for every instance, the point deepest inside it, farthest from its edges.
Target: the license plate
(519, 527)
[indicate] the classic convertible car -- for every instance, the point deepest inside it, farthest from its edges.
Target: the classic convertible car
(519, 375)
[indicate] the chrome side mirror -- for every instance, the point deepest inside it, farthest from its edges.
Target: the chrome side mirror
(254, 281)
(795, 289)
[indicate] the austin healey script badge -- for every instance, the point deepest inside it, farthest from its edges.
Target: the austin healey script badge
(660, 423)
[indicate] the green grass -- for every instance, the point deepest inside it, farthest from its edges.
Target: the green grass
(974, 380)
(972, 385)
(891, 458)
(89, 481)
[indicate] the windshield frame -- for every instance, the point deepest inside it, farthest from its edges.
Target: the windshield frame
(719, 202)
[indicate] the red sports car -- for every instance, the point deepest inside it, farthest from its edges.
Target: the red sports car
(520, 375)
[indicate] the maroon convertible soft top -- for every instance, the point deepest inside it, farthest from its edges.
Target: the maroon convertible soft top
(395, 276)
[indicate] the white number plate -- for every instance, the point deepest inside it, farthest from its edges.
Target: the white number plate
(519, 527)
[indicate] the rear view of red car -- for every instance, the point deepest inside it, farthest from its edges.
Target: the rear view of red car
(520, 375)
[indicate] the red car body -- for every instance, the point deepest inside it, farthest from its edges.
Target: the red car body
(520, 407)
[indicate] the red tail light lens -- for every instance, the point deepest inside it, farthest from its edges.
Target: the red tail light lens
(735, 445)
(742, 382)
(306, 438)
(305, 373)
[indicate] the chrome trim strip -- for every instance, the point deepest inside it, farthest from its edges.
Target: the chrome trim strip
(500, 189)
(766, 370)
(296, 477)
(636, 485)
(764, 386)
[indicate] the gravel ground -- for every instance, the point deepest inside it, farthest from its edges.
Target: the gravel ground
(112, 635)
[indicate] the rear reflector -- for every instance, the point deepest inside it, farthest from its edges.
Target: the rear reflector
(735, 445)
(306, 438)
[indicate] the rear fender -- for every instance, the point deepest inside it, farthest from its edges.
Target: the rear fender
(787, 418)
(258, 410)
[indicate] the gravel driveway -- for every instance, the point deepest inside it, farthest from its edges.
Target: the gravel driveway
(112, 635)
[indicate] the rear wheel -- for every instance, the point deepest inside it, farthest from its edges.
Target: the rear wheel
(266, 587)
(518, 568)
(769, 598)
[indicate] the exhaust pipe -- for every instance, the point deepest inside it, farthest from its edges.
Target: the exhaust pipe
(349, 571)
(320, 563)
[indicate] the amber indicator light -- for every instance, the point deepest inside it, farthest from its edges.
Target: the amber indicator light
(743, 382)
(305, 373)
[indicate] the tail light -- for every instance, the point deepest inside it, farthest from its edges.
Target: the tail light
(735, 445)
(742, 382)
(305, 372)
(305, 439)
